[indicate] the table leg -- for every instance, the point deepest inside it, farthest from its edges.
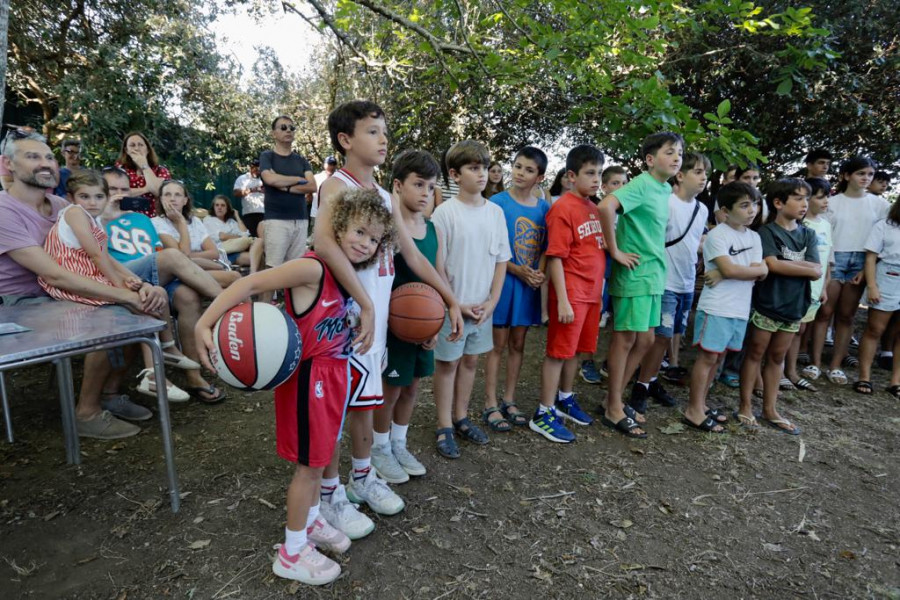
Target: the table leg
(7, 416)
(164, 422)
(67, 404)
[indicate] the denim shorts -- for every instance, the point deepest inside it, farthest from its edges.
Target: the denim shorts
(146, 270)
(674, 313)
(888, 278)
(847, 265)
(718, 334)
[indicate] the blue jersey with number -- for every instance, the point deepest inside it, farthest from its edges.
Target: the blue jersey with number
(131, 236)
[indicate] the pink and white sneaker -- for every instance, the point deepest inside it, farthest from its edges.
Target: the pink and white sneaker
(307, 566)
(326, 537)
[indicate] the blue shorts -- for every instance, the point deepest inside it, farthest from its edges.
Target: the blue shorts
(718, 334)
(475, 340)
(146, 270)
(847, 265)
(888, 278)
(674, 313)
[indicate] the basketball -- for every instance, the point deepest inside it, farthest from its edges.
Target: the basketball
(416, 313)
(257, 346)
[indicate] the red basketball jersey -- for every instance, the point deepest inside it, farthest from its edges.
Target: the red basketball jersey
(324, 330)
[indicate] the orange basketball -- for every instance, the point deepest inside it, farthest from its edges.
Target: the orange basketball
(416, 313)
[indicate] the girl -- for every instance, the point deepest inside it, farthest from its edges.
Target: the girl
(231, 235)
(779, 302)
(882, 273)
(308, 414)
(177, 228)
(560, 186)
(495, 183)
(78, 244)
(145, 174)
(852, 212)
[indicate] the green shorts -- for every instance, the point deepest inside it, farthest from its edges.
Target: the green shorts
(771, 325)
(406, 362)
(636, 313)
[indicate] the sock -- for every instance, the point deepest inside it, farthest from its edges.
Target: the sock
(543, 409)
(327, 487)
(311, 516)
(361, 468)
(561, 395)
(381, 439)
(294, 541)
(883, 353)
(646, 385)
(398, 433)
(652, 381)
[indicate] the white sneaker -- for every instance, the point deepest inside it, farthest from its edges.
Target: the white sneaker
(407, 460)
(375, 492)
(148, 387)
(308, 566)
(386, 465)
(344, 516)
(326, 537)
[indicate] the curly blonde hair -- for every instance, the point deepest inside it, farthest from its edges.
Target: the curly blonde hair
(366, 206)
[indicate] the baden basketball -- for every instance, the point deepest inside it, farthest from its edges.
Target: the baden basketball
(416, 313)
(257, 346)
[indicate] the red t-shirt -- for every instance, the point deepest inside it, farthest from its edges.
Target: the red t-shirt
(574, 235)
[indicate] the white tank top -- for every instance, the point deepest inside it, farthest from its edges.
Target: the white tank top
(378, 278)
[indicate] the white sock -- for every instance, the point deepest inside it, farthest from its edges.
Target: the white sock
(561, 395)
(543, 409)
(652, 379)
(398, 433)
(646, 385)
(360, 467)
(312, 515)
(886, 353)
(381, 439)
(327, 487)
(294, 541)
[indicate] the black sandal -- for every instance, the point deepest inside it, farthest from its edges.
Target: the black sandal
(708, 425)
(894, 391)
(447, 447)
(715, 413)
(625, 426)
(467, 429)
(863, 387)
(518, 418)
(501, 425)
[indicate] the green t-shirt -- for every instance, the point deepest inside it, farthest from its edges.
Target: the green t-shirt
(641, 229)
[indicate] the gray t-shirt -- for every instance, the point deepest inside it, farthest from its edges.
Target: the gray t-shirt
(279, 203)
(783, 297)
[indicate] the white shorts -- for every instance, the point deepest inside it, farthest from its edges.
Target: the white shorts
(365, 379)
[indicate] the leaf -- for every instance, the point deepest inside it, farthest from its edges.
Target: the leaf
(199, 544)
(621, 524)
(802, 453)
(773, 547)
(724, 108)
(672, 428)
(785, 87)
(632, 567)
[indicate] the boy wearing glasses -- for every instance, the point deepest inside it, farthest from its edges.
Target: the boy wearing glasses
(287, 178)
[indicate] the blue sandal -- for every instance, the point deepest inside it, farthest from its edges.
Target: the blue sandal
(467, 429)
(447, 447)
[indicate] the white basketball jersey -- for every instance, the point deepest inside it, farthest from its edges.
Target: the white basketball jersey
(378, 278)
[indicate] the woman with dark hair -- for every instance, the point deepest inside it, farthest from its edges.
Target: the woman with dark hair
(145, 174)
(231, 235)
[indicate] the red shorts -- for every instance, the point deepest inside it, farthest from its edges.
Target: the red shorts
(309, 411)
(564, 340)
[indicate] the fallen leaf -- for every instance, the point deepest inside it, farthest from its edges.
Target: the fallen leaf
(672, 428)
(52, 515)
(812, 535)
(631, 566)
(266, 503)
(848, 555)
(620, 535)
(623, 524)
(420, 529)
(802, 453)
(199, 544)
(773, 547)
(539, 573)
(198, 520)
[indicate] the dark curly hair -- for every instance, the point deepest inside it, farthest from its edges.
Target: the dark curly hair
(366, 206)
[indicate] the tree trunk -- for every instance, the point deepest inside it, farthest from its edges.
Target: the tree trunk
(4, 27)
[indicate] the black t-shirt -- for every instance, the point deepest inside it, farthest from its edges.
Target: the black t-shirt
(280, 204)
(782, 297)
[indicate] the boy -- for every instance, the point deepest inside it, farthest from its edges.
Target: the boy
(359, 132)
(612, 178)
(732, 257)
(781, 300)
(575, 264)
(520, 302)
(310, 406)
(880, 182)
(684, 229)
(415, 177)
(474, 253)
(636, 246)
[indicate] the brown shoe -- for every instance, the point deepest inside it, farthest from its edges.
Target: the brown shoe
(104, 426)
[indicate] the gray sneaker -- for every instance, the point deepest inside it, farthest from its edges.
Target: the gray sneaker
(120, 405)
(104, 426)
(387, 466)
(410, 463)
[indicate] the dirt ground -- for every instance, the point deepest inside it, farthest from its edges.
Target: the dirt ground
(680, 515)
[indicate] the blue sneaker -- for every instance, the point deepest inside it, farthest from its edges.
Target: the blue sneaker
(548, 425)
(588, 371)
(569, 409)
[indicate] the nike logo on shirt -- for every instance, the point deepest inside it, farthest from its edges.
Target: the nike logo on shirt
(329, 303)
(734, 252)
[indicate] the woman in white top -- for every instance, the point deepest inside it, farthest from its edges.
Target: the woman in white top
(178, 229)
(231, 235)
(853, 213)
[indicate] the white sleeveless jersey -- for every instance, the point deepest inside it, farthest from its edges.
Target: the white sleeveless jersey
(378, 278)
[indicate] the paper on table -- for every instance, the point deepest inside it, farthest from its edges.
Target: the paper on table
(6, 328)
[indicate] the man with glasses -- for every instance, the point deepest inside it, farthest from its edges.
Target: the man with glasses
(287, 178)
(71, 151)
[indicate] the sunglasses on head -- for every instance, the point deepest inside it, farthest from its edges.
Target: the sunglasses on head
(285, 127)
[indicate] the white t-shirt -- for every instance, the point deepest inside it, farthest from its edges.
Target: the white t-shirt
(215, 226)
(824, 243)
(681, 258)
(852, 220)
(885, 240)
(253, 202)
(730, 297)
(320, 179)
(474, 239)
(196, 230)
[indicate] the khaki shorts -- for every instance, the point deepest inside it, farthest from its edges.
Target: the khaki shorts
(285, 240)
